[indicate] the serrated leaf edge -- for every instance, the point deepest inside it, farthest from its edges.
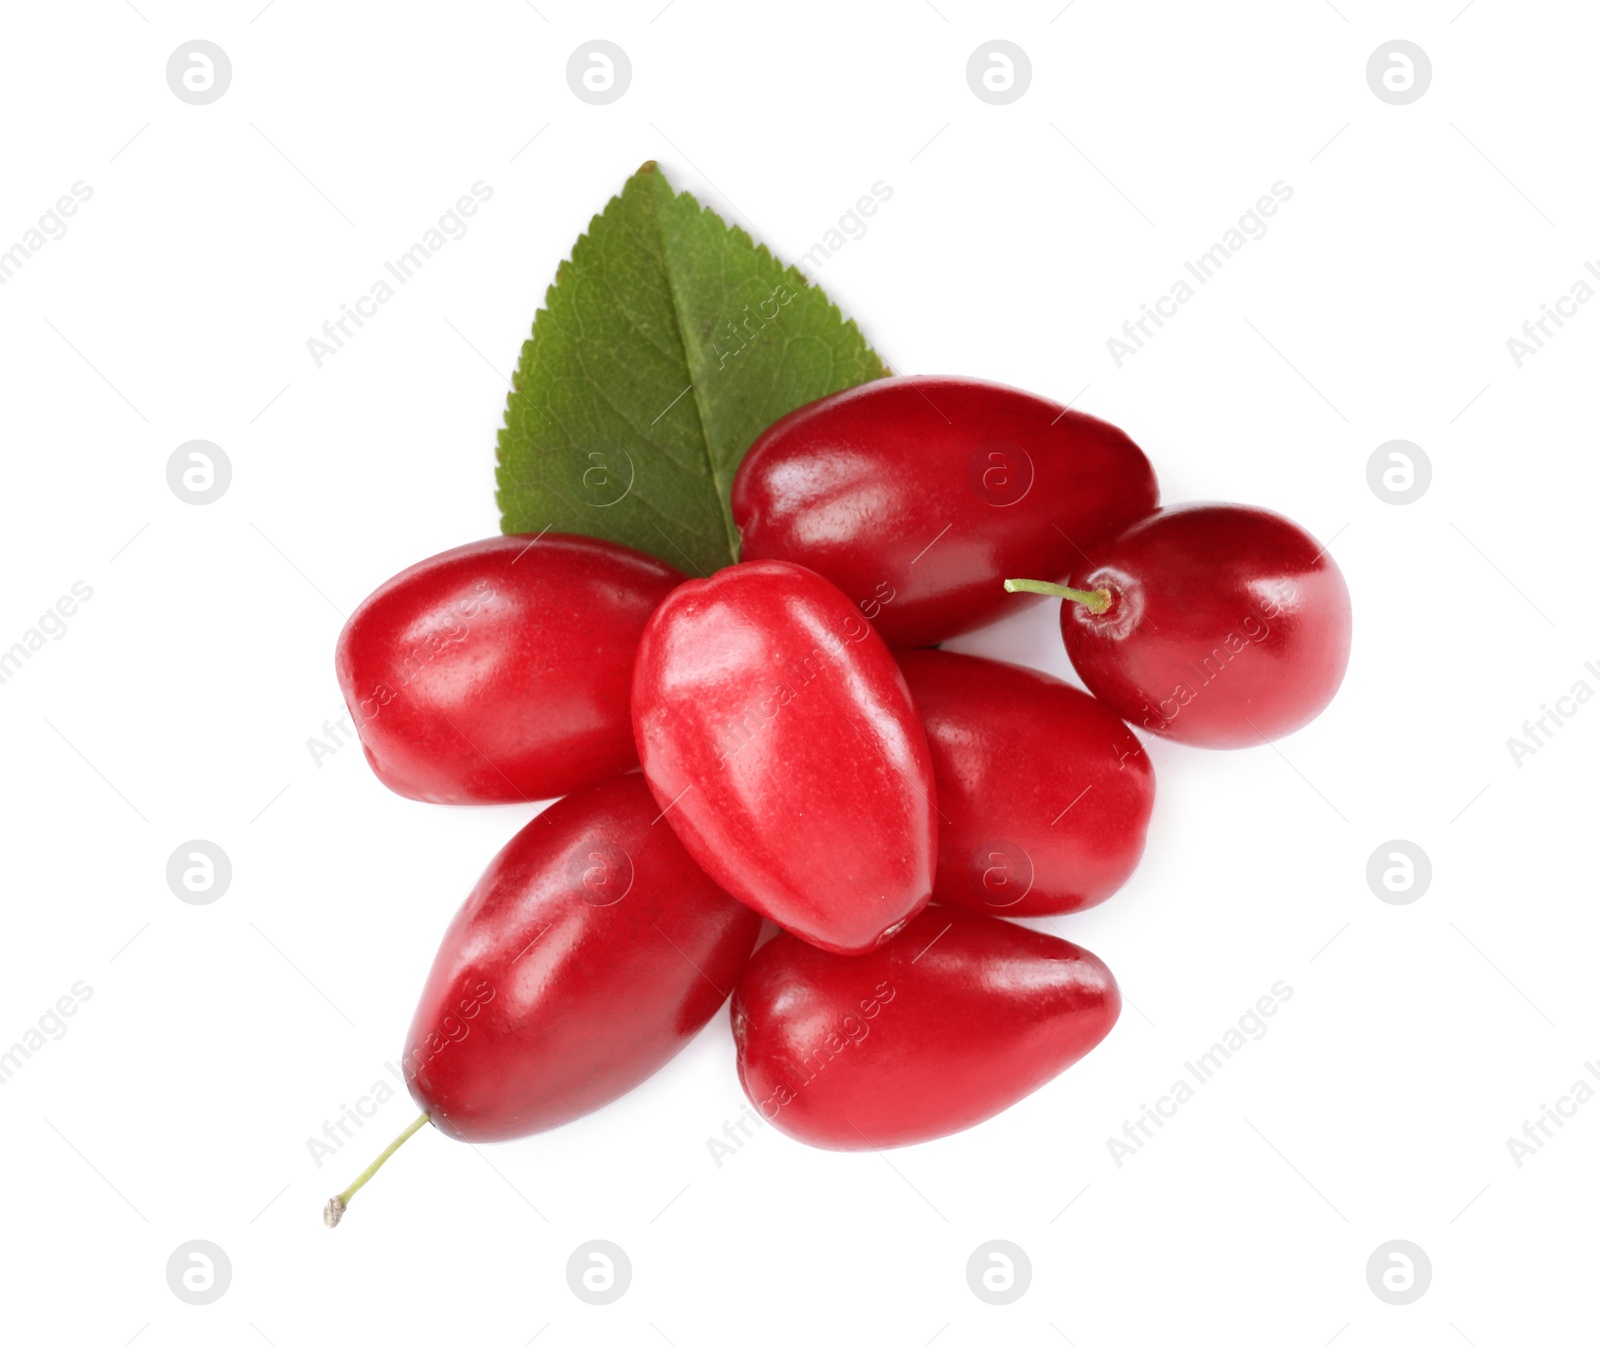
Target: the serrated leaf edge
(787, 269)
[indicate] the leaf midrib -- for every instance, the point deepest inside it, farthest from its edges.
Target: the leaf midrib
(725, 508)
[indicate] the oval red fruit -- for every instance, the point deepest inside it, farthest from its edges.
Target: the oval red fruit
(949, 1023)
(500, 671)
(1044, 794)
(919, 495)
(588, 954)
(1227, 625)
(782, 746)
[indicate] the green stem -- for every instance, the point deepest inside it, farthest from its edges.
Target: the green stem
(333, 1212)
(1096, 600)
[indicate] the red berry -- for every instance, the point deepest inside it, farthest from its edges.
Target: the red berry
(949, 1023)
(1044, 794)
(918, 495)
(500, 671)
(590, 952)
(1223, 625)
(782, 747)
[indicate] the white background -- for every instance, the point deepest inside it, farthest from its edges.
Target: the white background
(179, 703)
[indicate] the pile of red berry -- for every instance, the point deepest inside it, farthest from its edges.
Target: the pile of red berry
(808, 758)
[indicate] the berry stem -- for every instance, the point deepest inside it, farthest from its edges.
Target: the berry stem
(1096, 600)
(333, 1212)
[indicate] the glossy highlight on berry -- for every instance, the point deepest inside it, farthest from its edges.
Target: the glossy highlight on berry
(588, 954)
(500, 671)
(956, 1018)
(782, 746)
(917, 495)
(1044, 794)
(1223, 626)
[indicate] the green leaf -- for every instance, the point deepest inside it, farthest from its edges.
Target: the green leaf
(667, 344)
